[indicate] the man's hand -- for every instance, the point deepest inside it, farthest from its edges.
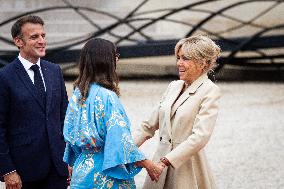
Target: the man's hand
(70, 170)
(13, 181)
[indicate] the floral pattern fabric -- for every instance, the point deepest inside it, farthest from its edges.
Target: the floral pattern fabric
(99, 145)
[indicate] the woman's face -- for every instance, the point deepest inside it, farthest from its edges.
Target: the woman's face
(189, 70)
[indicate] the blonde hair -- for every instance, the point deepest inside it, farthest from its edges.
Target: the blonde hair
(200, 48)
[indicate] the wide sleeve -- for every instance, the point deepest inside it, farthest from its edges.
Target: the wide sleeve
(120, 151)
(149, 126)
(71, 153)
(202, 129)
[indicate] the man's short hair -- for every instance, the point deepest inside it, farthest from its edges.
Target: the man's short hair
(16, 29)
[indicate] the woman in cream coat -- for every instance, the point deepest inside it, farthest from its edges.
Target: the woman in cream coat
(185, 118)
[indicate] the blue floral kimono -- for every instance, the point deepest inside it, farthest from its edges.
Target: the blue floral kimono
(99, 145)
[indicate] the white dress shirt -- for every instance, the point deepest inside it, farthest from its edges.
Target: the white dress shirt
(27, 65)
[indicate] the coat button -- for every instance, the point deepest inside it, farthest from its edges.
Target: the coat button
(170, 141)
(160, 138)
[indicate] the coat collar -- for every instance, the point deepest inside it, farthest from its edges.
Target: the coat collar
(183, 97)
(27, 64)
(196, 84)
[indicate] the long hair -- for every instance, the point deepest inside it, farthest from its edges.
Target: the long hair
(97, 63)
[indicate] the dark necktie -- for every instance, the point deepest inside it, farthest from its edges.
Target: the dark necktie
(38, 82)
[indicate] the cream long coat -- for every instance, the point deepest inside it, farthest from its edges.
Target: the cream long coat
(185, 127)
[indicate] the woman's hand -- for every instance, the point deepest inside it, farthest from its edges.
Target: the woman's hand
(154, 169)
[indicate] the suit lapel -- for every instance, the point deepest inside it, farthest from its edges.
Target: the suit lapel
(47, 75)
(173, 97)
(24, 77)
(179, 102)
(168, 121)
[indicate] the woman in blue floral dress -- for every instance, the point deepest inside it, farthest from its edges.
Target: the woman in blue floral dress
(99, 145)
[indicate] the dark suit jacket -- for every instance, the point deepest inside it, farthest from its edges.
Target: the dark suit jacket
(31, 133)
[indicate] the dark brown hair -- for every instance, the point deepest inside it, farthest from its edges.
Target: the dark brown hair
(16, 29)
(97, 64)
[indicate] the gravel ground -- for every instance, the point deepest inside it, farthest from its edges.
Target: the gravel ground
(246, 149)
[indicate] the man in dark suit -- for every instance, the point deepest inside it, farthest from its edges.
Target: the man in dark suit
(33, 102)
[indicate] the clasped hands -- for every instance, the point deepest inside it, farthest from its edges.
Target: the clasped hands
(154, 169)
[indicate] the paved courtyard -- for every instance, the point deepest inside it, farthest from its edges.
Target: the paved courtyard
(246, 149)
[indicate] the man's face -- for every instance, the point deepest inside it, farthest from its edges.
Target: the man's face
(32, 42)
